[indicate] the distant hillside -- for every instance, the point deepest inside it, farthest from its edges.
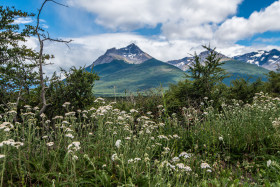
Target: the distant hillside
(134, 77)
(239, 69)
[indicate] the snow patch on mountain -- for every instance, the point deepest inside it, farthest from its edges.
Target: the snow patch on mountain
(266, 59)
(131, 54)
(185, 63)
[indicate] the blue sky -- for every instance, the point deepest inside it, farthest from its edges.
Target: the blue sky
(166, 29)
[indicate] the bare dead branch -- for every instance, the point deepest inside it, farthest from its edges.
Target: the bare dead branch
(58, 3)
(42, 38)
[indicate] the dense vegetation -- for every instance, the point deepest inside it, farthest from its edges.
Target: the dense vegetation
(200, 132)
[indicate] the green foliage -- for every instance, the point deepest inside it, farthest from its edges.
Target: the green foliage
(17, 64)
(207, 74)
(273, 84)
(244, 90)
(129, 78)
(147, 101)
(76, 88)
(104, 146)
(205, 80)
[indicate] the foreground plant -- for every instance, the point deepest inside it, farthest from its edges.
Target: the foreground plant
(105, 146)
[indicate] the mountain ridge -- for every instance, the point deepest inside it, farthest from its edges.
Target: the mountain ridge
(262, 58)
(131, 54)
(118, 76)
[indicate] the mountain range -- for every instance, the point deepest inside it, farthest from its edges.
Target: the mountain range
(129, 69)
(265, 59)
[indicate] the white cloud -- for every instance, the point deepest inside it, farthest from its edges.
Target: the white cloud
(186, 25)
(238, 28)
(179, 18)
(85, 50)
(22, 20)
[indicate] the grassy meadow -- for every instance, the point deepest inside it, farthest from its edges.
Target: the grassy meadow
(105, 146)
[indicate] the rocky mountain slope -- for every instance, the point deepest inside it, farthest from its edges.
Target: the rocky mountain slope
(131, 54)
(184, 63)
(265, 59)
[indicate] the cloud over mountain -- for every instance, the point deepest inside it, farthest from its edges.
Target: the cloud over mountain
(179, 18)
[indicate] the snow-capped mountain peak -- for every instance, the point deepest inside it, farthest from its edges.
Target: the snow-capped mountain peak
(185, 63)
(265, 59)
(131, 54)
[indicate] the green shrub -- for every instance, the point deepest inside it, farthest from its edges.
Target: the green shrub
(76, 88)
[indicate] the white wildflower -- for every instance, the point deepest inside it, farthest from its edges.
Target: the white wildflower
(50, 144)
(204, 165)
(183, 167)
(162, 137)
(130, 161)
(70, 114)
(185, 155)
(65, 122)
(66, 104)
(176, 136)
(120, 118)
(43, 115)
(2, 156)
(149, 113)
(75, 157)
(69, 135)
(118, 143)
(133, 111)
(268, 163)
(74, 145)
(176, 159)
(58, 117)
(114, 157)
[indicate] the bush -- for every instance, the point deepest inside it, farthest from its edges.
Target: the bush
(242, 89)
(204, 80)
(76, 88)
(273, 84)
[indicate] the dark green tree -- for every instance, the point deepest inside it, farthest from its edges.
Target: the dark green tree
(244, 90)
(204, 79)
(273, 84)
(17, 63)
(76, 88)
(207, 74)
